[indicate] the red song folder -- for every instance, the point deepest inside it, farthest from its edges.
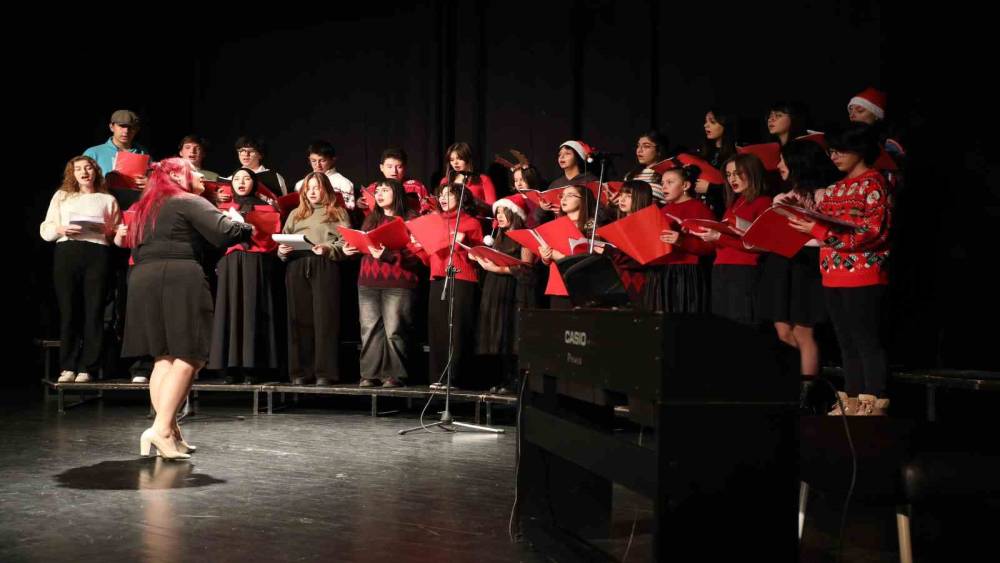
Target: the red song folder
(609, 190)
(431, 231)
(553, 196)
(130, 165)
(559, 234)
(638, 235)
(771, 232)
(883, 162)
(393, 235)
(768, 153)
(495, 256)
(698, 225)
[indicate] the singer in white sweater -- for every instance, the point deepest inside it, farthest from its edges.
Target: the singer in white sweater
(81, 220)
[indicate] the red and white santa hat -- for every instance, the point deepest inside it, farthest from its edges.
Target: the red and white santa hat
(872, 100)
(517, 204)
(585, 151)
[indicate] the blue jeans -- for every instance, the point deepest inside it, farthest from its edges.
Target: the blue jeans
(386, 316)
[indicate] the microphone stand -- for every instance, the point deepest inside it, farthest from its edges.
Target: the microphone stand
(447, 421)
(597, 204)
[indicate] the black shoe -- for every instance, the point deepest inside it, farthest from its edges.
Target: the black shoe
(393, 382)
(369, 383)
(323, 382)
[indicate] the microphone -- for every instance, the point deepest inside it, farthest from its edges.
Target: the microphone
(602, 155)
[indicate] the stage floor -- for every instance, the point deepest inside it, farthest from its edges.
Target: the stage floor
(311, 485)
(319, 483)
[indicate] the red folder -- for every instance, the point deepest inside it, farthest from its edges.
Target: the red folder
(815, 137)
(638, 235)
(702, 224)
(130, 165)
(497, 257)
(553, 196)
(431, 231)
(772, 233)
(392, 234)
(267, 222)
(709, 173)
(128, 217)
(609, 190)
(288, 203)
(768, 153)
(559, 234)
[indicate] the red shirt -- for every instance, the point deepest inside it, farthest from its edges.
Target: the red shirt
(856, 257)
(729, 250)
(688, 247)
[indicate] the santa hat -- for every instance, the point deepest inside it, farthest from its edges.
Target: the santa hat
(872, 100)
(517, 204)
(585, 151)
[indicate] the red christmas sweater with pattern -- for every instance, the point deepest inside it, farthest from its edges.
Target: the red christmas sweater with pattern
(855, 257)
(394, 269)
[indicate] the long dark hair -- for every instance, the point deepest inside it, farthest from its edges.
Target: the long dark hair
(642, 195)
(728, 147)
(809, 167)
(399, 208)
(587, 203)
(797, 113)
(468, 202)
(504, 243)
(465, 153)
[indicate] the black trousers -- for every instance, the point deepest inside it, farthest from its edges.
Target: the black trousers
(81, 280)
(464, 330)
(313, 287)
(856, 313)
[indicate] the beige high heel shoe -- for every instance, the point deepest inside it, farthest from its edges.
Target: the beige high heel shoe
(165, 447)
(182, 445)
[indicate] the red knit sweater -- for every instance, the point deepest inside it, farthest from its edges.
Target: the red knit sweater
(731, 251)
(856, 257)
(688, 247)
(395, 268)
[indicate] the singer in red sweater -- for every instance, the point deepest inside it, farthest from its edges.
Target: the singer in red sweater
(470, 233)
(685, 282)
(734, 275)
(852, 263)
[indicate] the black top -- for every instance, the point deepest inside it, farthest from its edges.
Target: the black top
(185, 227)
(562, 181)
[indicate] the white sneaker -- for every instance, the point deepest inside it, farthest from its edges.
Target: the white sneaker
(66, 377)
(83, 377)
(140, 379)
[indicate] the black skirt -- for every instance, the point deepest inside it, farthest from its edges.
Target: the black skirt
(685, 288)
(497, 333)
(249, 319)
(790, 290)
(734, 292)
(169, 311)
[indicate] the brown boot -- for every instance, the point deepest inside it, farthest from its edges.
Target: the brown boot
(870, 405)
(850, 405)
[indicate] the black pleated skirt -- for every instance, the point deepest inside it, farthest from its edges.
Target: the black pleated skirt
(790, 290)
(169, 311)
(684, 288)
(249, 319)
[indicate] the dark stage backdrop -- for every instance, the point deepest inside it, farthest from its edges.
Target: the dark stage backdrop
(530, 75)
